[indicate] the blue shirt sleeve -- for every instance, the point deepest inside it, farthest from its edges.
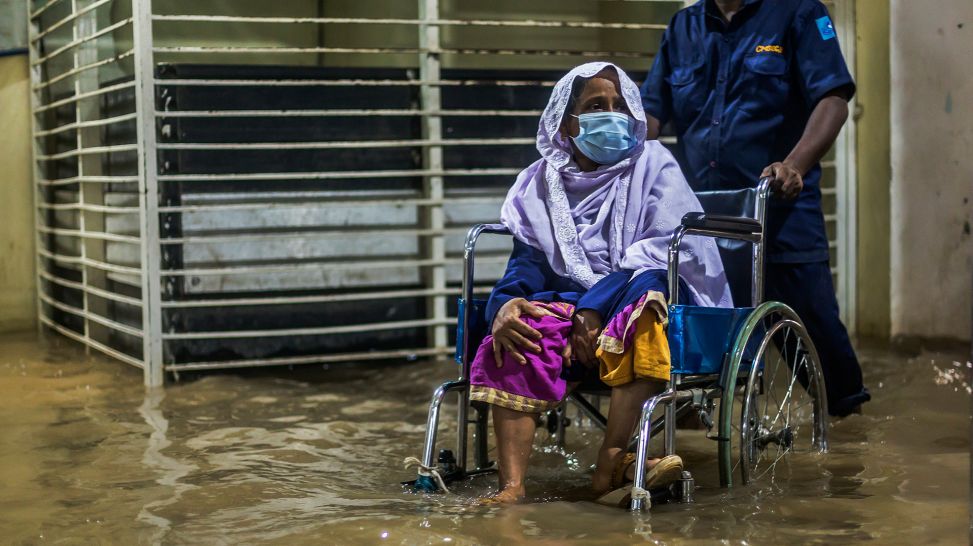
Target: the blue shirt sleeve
(820, 66)
(603, 295)
(525, 275)
(656, 93)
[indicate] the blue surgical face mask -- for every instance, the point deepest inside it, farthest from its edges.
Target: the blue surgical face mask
(605, 137)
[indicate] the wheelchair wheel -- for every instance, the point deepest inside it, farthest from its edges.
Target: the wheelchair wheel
(774, 406)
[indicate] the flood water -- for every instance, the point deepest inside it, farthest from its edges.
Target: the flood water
(314, 456)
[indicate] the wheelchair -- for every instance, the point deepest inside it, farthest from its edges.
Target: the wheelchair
(753, 368)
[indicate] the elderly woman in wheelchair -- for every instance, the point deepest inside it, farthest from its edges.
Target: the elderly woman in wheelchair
(585, 287)
(601, 288)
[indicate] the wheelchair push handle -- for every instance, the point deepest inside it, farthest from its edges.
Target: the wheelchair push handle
(763, 186)
(469, 247)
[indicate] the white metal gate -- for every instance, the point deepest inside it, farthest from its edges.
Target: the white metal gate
(166, 247)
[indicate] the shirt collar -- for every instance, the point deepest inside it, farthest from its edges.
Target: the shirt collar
(708, 7)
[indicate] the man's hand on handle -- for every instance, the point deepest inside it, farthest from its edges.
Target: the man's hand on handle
(786, 180)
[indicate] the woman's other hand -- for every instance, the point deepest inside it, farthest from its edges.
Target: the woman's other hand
(585, 329)
(513, 335)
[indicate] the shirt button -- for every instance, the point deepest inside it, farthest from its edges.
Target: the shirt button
(712, 164)
(721, 79)
(716, 121)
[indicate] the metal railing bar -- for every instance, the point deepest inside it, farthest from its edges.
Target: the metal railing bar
(121, 278)
(89, 262)
(545, 53)
(91, 289)
(89, 151)
(34, 98)
(89, 208)
(311, 359)
(333, 203)
(84, 124)
(83, 68)
(246, 197)
(283, 50)
(93, 36)
(400, 21)
(320, 298)
(76, 179)
(291, 235)
(351, 82)
(317, 331)
(182, 50)
(74, 15)
(88, 315)
(128, 359)
(43, 8)
(97, 235)
(319, 266)
(83, 96)
(355, 144)
(335, 175)
(342, 113)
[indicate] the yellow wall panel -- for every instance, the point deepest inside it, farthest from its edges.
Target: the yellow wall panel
(17, 303)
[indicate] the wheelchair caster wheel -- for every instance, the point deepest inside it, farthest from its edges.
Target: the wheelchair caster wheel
(447, 462)
(425, 484)
(683, 489)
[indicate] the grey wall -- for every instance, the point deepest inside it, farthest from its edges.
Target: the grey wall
(13, 24)
(932, 167)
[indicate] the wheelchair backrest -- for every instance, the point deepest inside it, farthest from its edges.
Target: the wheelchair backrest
(737, 255)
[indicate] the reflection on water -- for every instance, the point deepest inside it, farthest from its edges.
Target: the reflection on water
(170, 470)
(314, 455)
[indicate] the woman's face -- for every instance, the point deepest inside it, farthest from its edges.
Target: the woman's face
(601, 93)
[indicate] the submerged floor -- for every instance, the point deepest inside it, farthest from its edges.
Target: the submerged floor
(313, 456)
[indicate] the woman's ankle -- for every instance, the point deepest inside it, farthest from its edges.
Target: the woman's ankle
(601, 482)
(608, 459)
(511, 493)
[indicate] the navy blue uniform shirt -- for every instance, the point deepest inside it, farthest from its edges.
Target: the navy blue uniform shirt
(739, 96)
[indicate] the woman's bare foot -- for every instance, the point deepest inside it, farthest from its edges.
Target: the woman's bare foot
(507, 495)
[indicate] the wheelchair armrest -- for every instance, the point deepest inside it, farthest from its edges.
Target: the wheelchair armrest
(728, 224)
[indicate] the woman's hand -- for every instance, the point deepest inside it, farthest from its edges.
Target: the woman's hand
(512, 334)
(585, 329)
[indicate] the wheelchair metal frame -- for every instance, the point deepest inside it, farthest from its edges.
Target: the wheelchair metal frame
(670, 397)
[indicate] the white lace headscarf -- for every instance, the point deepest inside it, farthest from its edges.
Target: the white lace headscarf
(616, 217)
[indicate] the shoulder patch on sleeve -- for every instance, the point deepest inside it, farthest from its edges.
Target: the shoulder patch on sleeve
(825, 27)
